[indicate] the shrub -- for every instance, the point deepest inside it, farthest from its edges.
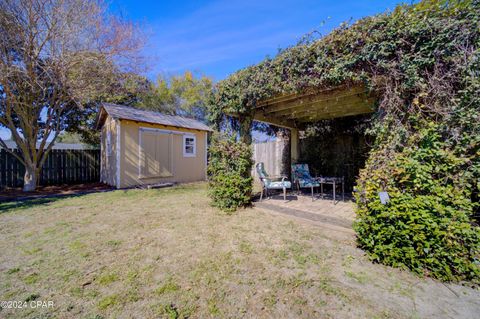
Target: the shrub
(229, 172)
(427, 225)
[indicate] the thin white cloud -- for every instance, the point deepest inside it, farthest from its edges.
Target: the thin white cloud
(220, 31)
(244, 31)
(202, 56)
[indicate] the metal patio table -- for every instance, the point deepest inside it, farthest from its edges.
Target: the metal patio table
(331, 180)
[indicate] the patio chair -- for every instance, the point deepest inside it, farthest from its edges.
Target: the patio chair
(272, 182)
(302, 178)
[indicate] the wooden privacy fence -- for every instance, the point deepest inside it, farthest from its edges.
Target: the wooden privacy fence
(61, 167)
(275, 156)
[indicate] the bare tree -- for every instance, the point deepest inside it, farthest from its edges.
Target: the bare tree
(56, 55)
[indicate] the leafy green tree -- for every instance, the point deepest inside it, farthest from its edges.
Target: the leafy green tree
(185, 95)
(67, 137)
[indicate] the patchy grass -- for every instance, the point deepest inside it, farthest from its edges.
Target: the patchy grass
(107, 279)
(166, 253)
(31, 279)
(108, 301)
(13, 270)
(169, 286)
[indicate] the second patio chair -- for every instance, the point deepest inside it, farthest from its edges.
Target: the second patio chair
(271, 182)
(302, 178)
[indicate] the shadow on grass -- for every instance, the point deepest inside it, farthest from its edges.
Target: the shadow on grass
(9, 206)
(25, 203)
(13, 205)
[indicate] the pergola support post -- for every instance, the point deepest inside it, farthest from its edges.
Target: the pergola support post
(294, 145)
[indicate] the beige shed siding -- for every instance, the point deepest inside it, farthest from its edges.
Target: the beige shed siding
(183, 169)
(108, 166)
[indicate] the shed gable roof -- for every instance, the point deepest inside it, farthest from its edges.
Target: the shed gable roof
(129, 113)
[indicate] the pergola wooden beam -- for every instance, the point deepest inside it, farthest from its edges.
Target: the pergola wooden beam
(348, 111)
(295, 96)
(324, 105)
(274, 107)
(294, 110)
(286, 123)
(360, 105)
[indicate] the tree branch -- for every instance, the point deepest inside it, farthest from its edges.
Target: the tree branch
(5, 146)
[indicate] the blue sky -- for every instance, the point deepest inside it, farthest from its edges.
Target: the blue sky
(217, 38)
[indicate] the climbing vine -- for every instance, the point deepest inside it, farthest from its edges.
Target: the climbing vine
(422, 62)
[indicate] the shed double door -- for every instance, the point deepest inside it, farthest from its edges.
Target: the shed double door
(156, 154)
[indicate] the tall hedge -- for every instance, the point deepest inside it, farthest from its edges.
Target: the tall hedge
(422, 62)
(229, 172)
(427, 225)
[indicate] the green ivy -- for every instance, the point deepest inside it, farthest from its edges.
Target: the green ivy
(427, 224)
(229, 167)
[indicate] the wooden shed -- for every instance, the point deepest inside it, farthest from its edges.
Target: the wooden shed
(141, 147)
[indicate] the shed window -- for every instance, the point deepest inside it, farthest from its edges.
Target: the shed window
(189, 146)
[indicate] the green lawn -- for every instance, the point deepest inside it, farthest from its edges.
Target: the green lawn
(167, 253)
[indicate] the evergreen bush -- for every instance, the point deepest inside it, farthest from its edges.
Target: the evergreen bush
(229, 172)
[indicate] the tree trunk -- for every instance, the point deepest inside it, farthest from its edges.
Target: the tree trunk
(30, 178)
(246, 130)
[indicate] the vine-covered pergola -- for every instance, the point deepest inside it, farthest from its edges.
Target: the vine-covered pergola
(292, 111)
(417, 71)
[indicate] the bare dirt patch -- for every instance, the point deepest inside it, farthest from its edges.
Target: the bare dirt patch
(167, 253)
